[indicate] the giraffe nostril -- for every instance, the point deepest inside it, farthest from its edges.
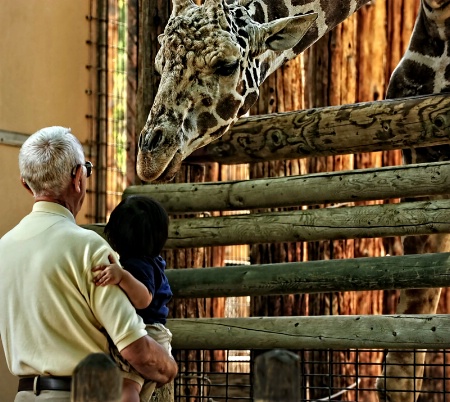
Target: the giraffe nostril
(156, 139)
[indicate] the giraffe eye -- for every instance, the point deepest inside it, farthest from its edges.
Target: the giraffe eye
(227, 69)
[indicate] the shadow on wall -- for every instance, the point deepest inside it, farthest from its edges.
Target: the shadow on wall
(8, 382)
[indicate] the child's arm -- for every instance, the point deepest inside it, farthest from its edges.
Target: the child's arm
(114, 274)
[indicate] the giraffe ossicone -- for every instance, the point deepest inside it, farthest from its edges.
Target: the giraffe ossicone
(212, 60)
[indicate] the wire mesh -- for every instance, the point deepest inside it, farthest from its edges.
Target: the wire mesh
(326, 375)
(116, 163)
(109, 38)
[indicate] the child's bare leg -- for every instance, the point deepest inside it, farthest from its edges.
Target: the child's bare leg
(147, 391)
(130, 390)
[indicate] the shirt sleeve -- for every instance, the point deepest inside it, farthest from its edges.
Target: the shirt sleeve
(112, 308)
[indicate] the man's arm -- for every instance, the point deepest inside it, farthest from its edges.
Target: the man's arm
(151, 360)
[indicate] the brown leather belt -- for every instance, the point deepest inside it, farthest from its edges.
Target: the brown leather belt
(41, 383)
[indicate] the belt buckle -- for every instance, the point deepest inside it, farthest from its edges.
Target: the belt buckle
(37, 385)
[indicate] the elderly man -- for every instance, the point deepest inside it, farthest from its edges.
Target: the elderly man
(51, 313)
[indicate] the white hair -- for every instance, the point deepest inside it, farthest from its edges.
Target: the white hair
(47, 158)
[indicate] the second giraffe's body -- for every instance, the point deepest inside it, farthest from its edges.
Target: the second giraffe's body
(424, 69)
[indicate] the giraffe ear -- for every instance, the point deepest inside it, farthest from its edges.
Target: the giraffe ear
(285, 33)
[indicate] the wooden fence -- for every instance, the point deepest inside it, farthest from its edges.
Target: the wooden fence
(364, 127)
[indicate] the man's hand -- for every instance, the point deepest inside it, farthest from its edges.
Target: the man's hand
(150, 359)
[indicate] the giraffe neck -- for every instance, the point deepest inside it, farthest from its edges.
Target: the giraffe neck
(425, 69)
(425, 66)
(330, 14)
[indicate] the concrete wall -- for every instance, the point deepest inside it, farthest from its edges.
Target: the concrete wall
(43, 79)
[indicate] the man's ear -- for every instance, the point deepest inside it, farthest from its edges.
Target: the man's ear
(76, 180)
(285, 33)
(25, 185)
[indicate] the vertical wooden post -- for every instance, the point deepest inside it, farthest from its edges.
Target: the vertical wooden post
(277, 377)
(96, 378)
(164, 394)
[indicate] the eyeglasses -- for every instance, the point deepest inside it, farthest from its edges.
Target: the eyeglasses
(88, 165)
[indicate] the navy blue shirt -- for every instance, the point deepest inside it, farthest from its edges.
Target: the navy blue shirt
(150, 271)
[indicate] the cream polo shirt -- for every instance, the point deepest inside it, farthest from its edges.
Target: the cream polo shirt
(51, 314)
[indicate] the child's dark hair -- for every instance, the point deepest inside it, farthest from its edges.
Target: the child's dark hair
(138, 227)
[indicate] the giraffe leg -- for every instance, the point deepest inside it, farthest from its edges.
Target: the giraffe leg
(401, 379)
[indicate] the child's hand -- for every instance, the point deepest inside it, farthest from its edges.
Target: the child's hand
(109, 274)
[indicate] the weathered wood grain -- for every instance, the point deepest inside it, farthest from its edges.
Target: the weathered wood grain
(347, 129)
(319, 332)
(320, 188)
(409, 218)
(353, 274)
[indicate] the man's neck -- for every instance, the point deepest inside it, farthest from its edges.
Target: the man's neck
(59, 201)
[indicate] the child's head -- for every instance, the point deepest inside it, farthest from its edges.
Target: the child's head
(138, 227)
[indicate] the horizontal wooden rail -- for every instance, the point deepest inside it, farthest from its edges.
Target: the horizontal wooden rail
(354, 274)
(411, 218)
(318, 332)
(347, 129)
(321, 188)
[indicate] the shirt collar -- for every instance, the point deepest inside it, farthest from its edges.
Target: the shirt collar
(53, 208)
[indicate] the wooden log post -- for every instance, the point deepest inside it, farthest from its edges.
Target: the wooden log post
(408, 218)
(334, 130)
(415, 180)
(400, 332)
(277, 377)
(96, 378)
(413, 271)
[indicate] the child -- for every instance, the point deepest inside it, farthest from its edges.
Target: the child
(138, 229)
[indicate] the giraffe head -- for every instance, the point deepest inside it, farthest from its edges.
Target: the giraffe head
(212, 60)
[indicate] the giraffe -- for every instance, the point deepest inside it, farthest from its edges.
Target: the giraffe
(212, 60)
(424, 69)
